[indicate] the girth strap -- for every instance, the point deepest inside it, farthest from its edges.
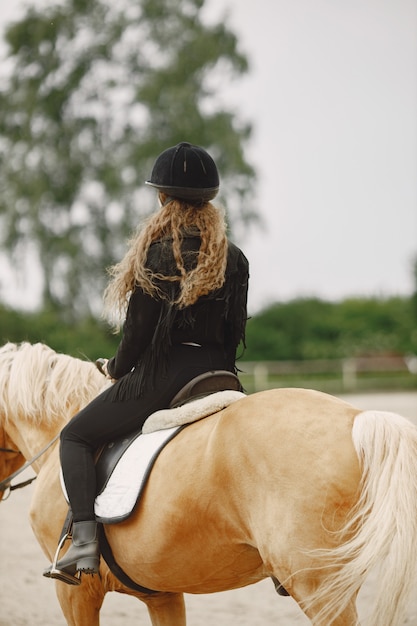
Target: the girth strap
(116, 569)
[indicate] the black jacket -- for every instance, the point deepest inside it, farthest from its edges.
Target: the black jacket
(153, 325)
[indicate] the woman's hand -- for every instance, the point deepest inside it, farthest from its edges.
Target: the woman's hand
(101, 365)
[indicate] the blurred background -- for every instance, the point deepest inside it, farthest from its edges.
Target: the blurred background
(309, 111)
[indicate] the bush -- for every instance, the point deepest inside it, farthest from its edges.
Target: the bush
(315, 329)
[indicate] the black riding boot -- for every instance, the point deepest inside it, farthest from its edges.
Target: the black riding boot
(82, 556)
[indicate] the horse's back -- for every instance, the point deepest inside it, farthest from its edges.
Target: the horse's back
(225, 484)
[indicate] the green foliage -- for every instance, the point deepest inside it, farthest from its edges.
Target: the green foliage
(86, 338)
(414, 296)
(98, 89)
(314, 329)
(301, 329)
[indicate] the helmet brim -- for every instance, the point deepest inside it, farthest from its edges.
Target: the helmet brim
(186, 193)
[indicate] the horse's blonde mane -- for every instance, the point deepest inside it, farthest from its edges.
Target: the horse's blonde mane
(38, 383)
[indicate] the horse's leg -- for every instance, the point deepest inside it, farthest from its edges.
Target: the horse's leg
(81, 604)
(302, 588)
(166, 609)
(289, 557)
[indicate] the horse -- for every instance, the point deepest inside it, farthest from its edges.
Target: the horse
(291, 484)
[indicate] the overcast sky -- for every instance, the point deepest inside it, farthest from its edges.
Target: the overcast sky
(332, 95)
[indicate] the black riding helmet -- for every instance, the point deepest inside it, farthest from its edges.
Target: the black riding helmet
(187, 172)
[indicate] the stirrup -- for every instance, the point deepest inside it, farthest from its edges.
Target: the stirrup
(58, 574)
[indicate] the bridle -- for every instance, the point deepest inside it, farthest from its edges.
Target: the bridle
(5, 484)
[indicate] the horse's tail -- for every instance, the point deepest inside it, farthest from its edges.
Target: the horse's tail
(383, 525)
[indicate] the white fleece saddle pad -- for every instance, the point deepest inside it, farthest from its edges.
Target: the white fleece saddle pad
(192, 411)
(124, 487)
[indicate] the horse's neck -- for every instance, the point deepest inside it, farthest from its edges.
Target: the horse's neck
(30, 438)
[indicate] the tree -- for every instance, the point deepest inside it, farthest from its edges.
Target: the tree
(414, 296)
(97, 90)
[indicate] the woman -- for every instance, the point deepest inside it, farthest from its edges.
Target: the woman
(184, 286)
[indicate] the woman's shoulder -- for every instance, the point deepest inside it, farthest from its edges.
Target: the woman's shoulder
(236, 259)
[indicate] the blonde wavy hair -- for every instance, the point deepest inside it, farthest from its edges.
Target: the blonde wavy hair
(174, 220)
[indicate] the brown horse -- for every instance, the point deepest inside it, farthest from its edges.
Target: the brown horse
(291, 484)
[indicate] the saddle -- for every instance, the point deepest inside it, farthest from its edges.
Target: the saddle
(198, 387)
(204, 384)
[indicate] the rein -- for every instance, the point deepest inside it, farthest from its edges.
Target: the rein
(5, 484)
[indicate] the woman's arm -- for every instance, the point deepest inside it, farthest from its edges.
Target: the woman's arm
(141, 319)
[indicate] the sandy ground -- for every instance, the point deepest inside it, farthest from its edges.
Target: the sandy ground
(28, 599)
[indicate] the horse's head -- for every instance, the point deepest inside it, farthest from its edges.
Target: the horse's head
(11, 459)
(10, 456)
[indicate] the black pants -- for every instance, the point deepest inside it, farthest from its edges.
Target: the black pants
(103, 420)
